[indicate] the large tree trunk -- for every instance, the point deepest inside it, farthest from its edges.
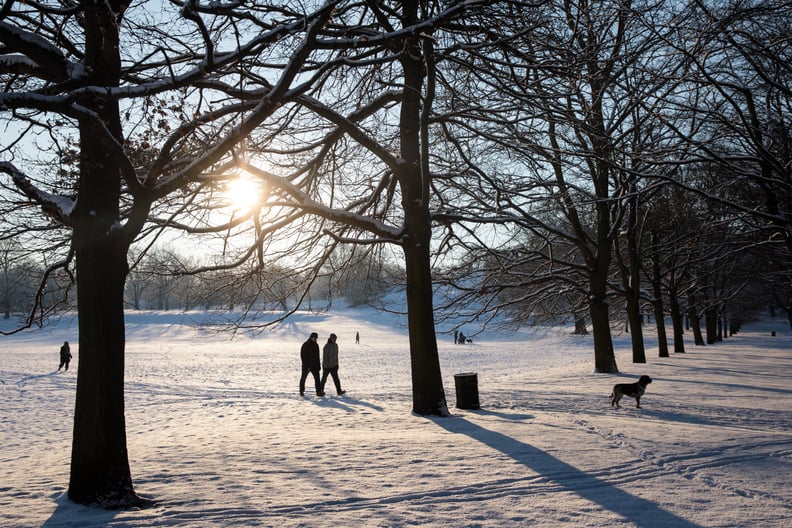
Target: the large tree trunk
(604, 358)
(99, 464)
(635, 320)
(633, 285)
(427, 381)
(414, 178)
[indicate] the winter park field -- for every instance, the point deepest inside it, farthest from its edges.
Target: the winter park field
(218, 435)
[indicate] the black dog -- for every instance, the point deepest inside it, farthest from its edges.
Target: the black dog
(633, 390)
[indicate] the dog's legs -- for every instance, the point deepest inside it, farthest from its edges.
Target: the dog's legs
(638, 402)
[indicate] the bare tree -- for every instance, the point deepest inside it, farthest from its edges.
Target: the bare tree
(565, 156)
(85, 81)
(588, 137)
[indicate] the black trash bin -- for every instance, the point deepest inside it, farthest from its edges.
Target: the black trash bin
(467, 390)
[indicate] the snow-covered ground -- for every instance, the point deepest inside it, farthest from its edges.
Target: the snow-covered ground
(218, 435)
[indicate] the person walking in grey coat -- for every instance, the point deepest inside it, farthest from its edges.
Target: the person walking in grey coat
(330, 363)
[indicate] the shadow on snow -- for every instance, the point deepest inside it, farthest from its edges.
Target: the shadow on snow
(634, 509)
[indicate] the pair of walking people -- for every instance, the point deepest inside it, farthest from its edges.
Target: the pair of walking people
(309, 355)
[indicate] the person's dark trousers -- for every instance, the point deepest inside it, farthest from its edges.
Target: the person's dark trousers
(333, 372)
(313, 370)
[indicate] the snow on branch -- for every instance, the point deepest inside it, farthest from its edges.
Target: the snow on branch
(51, 63)
(19, 64)
(59, 207)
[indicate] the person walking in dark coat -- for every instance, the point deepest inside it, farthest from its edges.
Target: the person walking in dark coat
(330, 363)
(309, 355)
(65, 356)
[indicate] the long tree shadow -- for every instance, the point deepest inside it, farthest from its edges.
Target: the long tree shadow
(640, 511)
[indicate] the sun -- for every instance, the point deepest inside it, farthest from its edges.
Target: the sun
(243, 193)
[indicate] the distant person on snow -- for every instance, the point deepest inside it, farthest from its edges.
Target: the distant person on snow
(357, 338)
(65, 356)
(330, 363)
(309, 355)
